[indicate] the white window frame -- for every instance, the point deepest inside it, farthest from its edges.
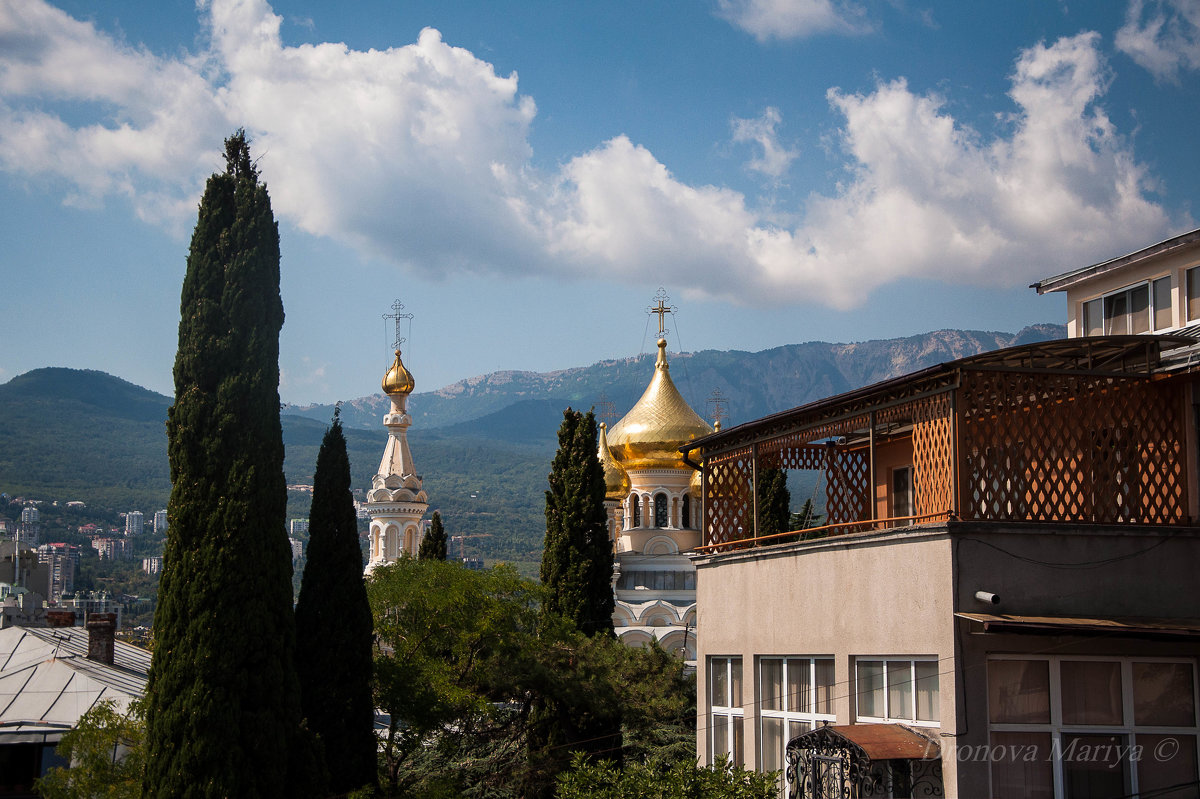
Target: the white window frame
(889, 716)
(1056, 728)
(1151, 307)
(728, 714)
(807, 716)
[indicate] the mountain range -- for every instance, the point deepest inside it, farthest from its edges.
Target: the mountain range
(483, 445)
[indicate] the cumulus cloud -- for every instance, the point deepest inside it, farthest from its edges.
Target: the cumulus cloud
(1163, 36)
(776, 158)
(792, 19)
(420, 155)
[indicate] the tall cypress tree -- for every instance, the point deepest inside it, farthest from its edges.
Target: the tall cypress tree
(433, 545)
(333, 625)
(774, 501)
(577, 561)
(223, 709)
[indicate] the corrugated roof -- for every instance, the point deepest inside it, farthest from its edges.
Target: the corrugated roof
(1138, 627)
(47, 681)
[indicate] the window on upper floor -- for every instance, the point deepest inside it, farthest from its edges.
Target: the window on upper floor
(795, 695)
(661, 511)
(1140, 308)
(897, 690)
(1193, 294)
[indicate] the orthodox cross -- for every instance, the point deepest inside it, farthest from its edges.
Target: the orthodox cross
(662, 309)
(606, 409)
(720, 406)
(397, 308)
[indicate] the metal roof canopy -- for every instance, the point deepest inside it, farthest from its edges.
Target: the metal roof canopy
(1124, 356)
(876, 741)
(1108, 626)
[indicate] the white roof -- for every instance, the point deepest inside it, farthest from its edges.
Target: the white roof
(47, 681)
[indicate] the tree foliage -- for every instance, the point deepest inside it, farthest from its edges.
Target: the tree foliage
(333, 625)
(577, 560)
(106, 750)
(464, 657)
(679, 780)
(223, 710)
(774, 501)
(433, 545)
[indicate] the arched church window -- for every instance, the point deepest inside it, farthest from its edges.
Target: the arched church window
(661, 511)
(686, 513)
(635, 505)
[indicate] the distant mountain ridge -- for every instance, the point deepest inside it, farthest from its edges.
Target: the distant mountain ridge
(754, 384)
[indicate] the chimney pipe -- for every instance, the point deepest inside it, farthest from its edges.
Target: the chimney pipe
(102, 628)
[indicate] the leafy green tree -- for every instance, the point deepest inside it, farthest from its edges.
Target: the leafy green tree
(679, 780)
(223, 711)
(774, 501)
(334, 646)
(577, 560)
(807, 517)
(433, 546)
(106, 750)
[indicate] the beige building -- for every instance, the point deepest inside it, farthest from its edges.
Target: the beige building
(1003, 601)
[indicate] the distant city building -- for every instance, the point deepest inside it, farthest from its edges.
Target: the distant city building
(153, 564)
(112, 548)
(76, 504)
(298, 527)
(473, 563)
(29, 528)
(133, 522)
(61, 560)
(3, 526)
(160, 522)
(85, 603)
(297, 548)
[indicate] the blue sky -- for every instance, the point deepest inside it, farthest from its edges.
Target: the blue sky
(524, 176)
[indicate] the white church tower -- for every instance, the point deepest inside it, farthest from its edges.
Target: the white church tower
(396, 501)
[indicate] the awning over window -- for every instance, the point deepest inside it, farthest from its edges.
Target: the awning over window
(1136, 627)
(877, 741)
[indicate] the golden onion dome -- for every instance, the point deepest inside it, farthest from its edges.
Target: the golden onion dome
(398, 381)
(616, 479)
(659, 423)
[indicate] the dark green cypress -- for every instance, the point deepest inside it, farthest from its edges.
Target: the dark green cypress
(433, 545)
(577, 561)
(774, 502)
(223, 702)
(333, 625)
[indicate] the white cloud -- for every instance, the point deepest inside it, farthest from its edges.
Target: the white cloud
(420, 155)
(792, 19)
(776, 158)
(1163, 36)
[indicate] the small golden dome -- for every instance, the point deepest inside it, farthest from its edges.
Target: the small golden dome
(616, 479)
(398, 381)
(659, 423)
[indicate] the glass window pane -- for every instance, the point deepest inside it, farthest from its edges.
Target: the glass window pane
(719, 697)
(797, 728)
(1116, 314)
(1091, 692)
(824, 669)
(1019, 691)
(1193, 293)
(720, 735)
(927, 690)
(771, 683)
(899, 689)
(1095, 766)
(771, 747)
(1093, 318)
(739, 759)
(1163, 694)
(1162, 303)
(1166, 761)
(735, 682)
(1021, 765)
(799, 695)
(870, 688)
(1139, 309)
